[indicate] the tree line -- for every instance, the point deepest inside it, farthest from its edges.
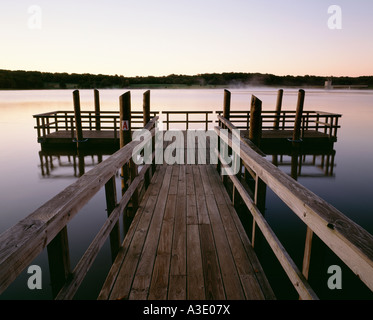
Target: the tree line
(47, 80)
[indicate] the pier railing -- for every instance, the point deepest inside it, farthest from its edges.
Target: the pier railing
(324, 122)
(188, 118)
(47, 226)
(351, 243)
(47, 123)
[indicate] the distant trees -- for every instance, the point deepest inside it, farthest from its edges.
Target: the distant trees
(45, 80)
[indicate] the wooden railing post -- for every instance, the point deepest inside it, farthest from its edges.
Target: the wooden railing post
(146, 119)
(111, 203)
(276, 123)
(97, 109)
(59, 261)
(260, 201)
(255, 131)
(78, 118)
(227, 104)
(298, 117)
(129, 172)
(307, 253)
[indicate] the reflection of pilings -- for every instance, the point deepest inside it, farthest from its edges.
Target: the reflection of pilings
(81, 163)
(298, 160)
(295, 164)
(76, 161)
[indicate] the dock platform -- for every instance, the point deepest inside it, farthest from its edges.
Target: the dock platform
(186, 242)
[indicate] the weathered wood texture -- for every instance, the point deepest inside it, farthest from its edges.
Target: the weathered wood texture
(186, 242)
(345, 238)
(22, 243)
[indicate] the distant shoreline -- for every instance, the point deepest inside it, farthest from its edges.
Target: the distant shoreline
(35, 80)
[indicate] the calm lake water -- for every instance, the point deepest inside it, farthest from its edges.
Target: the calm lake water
(24, 186)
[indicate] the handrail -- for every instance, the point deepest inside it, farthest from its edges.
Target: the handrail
(22, 243)
(187, 121)
(285, 120)
(349, 241)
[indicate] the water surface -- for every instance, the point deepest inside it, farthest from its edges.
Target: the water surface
(24, 186)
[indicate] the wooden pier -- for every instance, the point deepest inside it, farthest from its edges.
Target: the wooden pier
(186, 242)
(185, 239)
(96, 129)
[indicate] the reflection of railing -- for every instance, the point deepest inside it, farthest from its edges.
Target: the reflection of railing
(351, 243)
(319, 121)
(47, 123)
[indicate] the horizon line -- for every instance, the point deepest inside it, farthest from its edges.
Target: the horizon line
(188, 75)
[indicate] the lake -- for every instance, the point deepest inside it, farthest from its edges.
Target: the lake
(25, 185)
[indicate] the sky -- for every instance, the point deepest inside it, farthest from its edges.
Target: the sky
(162, 37)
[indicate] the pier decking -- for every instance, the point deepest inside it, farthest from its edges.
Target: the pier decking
(186, 242)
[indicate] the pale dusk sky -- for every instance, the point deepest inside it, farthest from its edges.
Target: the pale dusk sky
(161, 37)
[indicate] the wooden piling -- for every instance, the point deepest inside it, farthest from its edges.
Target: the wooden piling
(255, 130)
(260, 195)
(59, 261)
(97, 109)
(298, 117)
(146, 107)
(227, 104)
(276, 123)
(78, 118)
(129, 173)
(111, 203)
(146, 119)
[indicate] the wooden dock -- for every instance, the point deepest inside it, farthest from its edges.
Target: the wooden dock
(275, 129)
(186, 240)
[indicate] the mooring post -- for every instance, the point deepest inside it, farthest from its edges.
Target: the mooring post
(255, 130)
(227, 104)
(276, 123)
(146, 107)
(129, 171)
(298, 117)
(146, 119)
(78, 118)
(97, 109)
(125, 132)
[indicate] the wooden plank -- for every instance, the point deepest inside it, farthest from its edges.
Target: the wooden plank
(177, 285)
(136, 234)
(214, 288)
(203, 217)
(122, 286)
(232, 284)
(195, 279)
(248, 266)
(159, 283)
(141, 282)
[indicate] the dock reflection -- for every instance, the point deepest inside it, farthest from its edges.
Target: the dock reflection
(62, 164)
(306, 165)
